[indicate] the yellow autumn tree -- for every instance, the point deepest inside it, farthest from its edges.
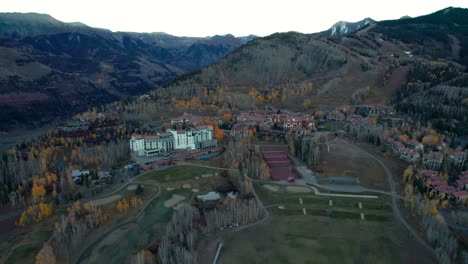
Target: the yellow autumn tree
(45, 210)
(307, 103)
(426, 140)
(219, 133)
(51, 178)
(226, 117)
(445, 204)
(319, 114)
(408, 174)
(23, 219)
(404, 138)
(122, 206)
(38, 191)
(444, 176)
(283, 99)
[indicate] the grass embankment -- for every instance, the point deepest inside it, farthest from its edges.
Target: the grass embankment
(179, 173)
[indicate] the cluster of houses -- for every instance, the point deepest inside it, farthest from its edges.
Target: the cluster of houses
(190, 138)
(350, 118)
(78, 176)
(85, 122)
(361, 114)
(432, 160)
(414, 151)
(361, 110)
(458, 158)
(268, 121)
(409, 154)
(272, 120)
(187, 120)
(455, 192)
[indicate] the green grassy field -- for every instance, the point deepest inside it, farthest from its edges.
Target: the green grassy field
(327, 234)
(128, 240)
(131, 238)
(178, 173)
(24, 253)
(29, 242)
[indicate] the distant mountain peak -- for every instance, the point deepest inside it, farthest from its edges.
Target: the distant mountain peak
(344, 27)
(447, 10)
(245, 39)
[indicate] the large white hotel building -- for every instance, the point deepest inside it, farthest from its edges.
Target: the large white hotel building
(201, 137)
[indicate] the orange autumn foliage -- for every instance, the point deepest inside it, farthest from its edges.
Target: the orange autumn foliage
(122, 206)
(38, 191)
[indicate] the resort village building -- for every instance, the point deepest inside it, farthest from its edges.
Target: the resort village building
(197, 138)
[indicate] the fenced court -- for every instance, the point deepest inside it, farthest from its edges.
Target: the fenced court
(280, 165)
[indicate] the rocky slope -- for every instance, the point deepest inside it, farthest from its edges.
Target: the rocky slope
(343, 27)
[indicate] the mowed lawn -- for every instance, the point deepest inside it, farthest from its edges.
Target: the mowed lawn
(179, 173)
(118, 246)
(327, 234)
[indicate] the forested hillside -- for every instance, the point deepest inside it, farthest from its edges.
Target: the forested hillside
(50, 69)
(407, 62)
(443, 34)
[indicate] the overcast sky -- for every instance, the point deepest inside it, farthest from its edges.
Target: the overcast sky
(209, 17)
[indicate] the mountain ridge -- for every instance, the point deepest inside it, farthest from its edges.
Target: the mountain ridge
(64, 68)
(285, 69)
(344, 27)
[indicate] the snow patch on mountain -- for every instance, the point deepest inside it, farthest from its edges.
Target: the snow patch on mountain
(343, 27)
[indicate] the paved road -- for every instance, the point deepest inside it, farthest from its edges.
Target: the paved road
(450, 223)
(10, 215)
(396, 209)
(310, 179)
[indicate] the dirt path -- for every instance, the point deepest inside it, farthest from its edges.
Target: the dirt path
(396, 209)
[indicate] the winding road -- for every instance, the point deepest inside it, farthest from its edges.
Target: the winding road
(392, 185)
(310, 180)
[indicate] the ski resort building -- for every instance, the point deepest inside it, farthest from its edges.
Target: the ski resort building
(197, 138)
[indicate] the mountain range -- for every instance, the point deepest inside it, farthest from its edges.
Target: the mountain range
(402, 62)
(49, 68)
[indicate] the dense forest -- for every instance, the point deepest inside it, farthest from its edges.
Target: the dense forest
(436, 92)
(434, 33)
